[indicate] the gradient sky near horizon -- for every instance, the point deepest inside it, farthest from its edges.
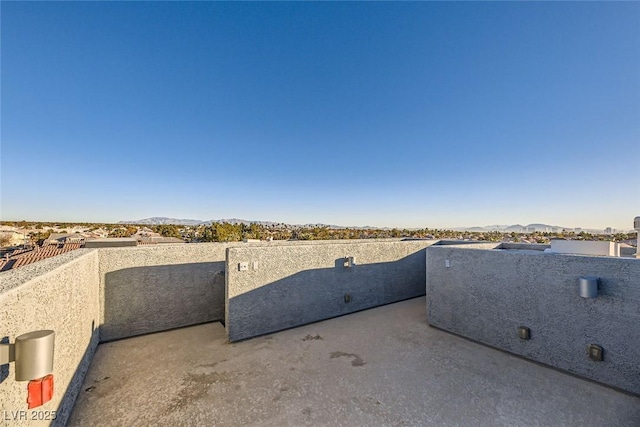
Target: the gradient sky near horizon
(383, 114)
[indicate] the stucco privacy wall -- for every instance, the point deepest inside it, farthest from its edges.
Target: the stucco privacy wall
(486, 294)
(148, 289)
(290, 285)
(61, 294)
(154, 288)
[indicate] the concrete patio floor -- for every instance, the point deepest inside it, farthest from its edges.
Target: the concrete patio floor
(383, 366)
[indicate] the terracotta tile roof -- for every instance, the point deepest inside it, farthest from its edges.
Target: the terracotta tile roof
(22, 257)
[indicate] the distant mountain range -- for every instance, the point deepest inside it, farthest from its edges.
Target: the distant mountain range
(518, 228)
(159, 220)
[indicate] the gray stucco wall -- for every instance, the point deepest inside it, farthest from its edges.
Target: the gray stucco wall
(154, 288)
(295, 284)
(60, 293)
(486, 294)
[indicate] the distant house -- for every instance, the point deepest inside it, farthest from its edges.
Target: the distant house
(111, 242)
(14, 238)
(626, 250)
(152, 240)
(29, 255)
(100, 232)
(146, 232)
(88, 235)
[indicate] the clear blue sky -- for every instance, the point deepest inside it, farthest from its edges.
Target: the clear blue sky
(385, 114)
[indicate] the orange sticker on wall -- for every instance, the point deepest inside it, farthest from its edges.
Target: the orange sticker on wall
(39, 391)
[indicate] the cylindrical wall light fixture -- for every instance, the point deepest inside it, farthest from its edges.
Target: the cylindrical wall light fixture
(588, 286)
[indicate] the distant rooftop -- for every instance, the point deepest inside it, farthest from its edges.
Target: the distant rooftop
(21, 257)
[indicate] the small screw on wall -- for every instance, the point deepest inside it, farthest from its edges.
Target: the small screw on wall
(524, 332)
(347, 298)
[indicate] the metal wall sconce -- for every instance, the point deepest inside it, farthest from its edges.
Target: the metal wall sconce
(33, 354)
(349, 262)
(588, 286)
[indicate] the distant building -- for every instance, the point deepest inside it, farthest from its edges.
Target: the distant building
(88, 235)
(14, 238)
(608, 230)
(146, 232)
(21, 257)
(111, 242)
(626, 250)
(582, 247)
(100, 232)
(55, 238)
(152, 240)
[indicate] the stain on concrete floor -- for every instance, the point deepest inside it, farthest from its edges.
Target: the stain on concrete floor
(310, 337)
(357, 360)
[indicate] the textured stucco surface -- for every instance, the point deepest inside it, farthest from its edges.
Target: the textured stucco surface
(486, 294)
(379, 367)
(291, 285)
(111, 242)
(155, 288)
(60, 293)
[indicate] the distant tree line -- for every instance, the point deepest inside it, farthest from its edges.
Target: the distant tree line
(226, 232)
(167, 230)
